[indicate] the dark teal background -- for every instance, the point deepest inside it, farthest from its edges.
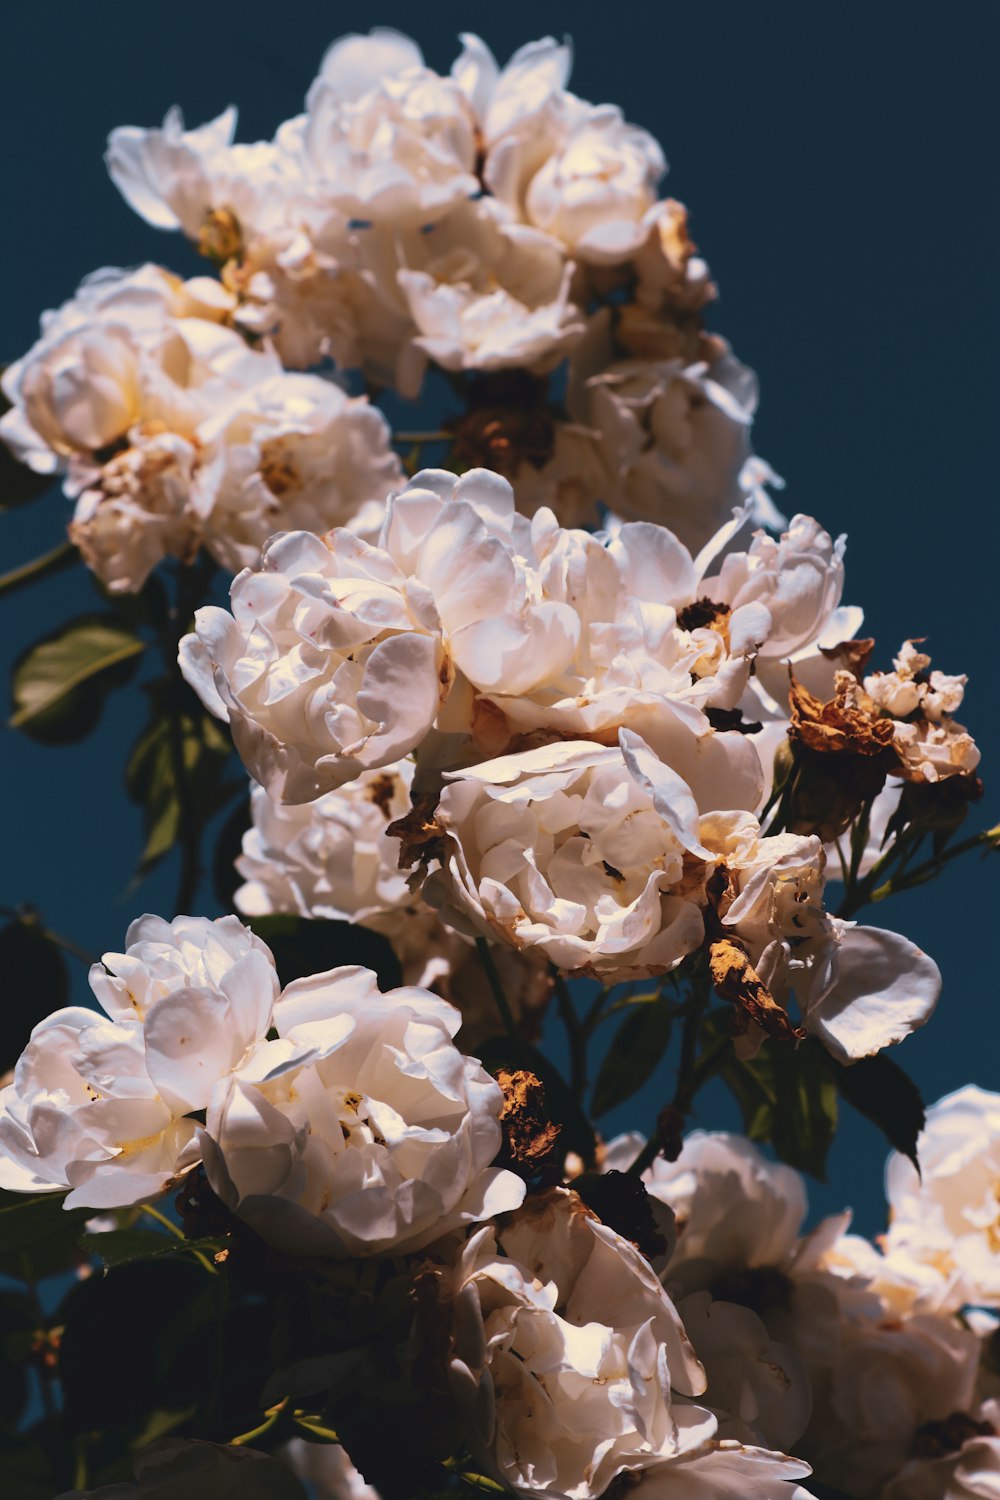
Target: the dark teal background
(839, 163)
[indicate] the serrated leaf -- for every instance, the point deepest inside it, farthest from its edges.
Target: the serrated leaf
(303, 946)
(59, 684)
(634, 1054)
(35, 983)
(879, 1089)
(120, 1247)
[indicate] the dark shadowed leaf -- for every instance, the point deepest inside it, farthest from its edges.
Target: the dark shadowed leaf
(179, 733)
(59, 684)
(787, 1097)
(35, 982)
(37, 1235)
(119, 1247)
(634, 1054)
(302, 946)
(879, 1089)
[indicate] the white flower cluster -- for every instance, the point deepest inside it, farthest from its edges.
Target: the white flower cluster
(575, 703)
(333, 859)
(174, 434)
(476, 220)
(855, 1357)
(356, 1128)
(341, 1122)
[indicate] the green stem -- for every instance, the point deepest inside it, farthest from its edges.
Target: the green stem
(271, 1417)
(500, 999)
(68, 945)
(985, 840)
(692, 1071)
(61, 557)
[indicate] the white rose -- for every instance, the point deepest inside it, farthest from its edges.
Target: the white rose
(518, 98)
(970, 1472)
(590, 855)
(361, 1130)
(567, 1354)
(330, 858)
(799, 579)
(595, 191)
(165, 174)
(198, 181)
(888, 1380)
(948, 1217)
(297, 454)
(340, 652)
(734, 1208)
(329, 665)
(174, 434)
(858, 989)
(488, 294)
(677, 434)
(100, 1105)
(725, 1469)
(400, 153)
(333, 859)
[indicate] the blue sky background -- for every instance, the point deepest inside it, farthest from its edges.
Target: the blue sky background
(839, 167)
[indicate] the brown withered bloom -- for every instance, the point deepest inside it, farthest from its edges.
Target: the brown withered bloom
(529, 1134)
(736, 980)
(843, 750)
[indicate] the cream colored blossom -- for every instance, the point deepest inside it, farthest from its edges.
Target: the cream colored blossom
(947, 1219)
(677, 433)
(102, 1106)
(362, 1129)
(174, 434)
(333, 859)
(486, 293)
(568, 1354)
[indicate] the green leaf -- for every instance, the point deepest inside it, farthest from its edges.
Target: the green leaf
(788, 1098)
(879, 1089)
(177, 731)
(35, 983)
(38, 1236)
(120, 1247)
(304, 946)
(59, 684)
(634, 1054)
